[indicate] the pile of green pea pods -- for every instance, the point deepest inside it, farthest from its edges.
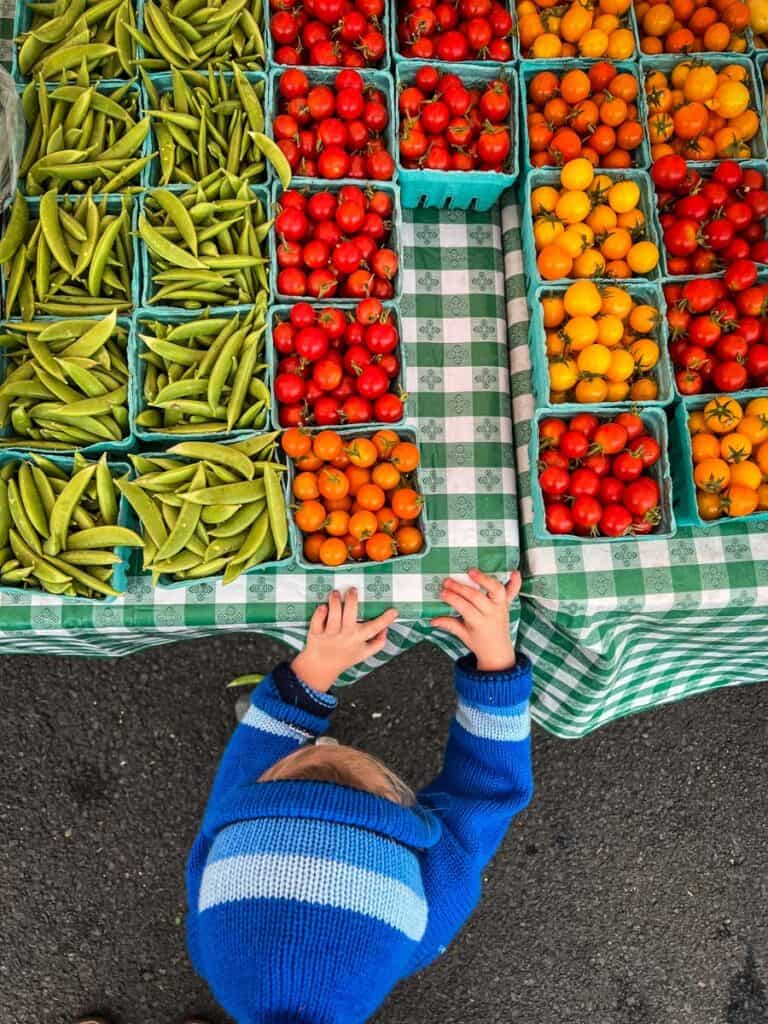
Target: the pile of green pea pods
(59, 527)
(75, 259)
(194, 33)
(210, 510)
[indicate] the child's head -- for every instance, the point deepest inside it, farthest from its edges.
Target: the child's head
(312, 904)
(328, 761)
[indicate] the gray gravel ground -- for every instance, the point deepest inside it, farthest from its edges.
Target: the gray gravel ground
(632, 891)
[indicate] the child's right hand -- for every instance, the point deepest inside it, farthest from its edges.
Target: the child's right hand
(483, 622)
(337, 641)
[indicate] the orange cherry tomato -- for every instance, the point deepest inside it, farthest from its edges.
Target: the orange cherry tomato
(295, 442)
(371, 497)
(379, 547)
(333, 551)
(406, 503)
(327, 445)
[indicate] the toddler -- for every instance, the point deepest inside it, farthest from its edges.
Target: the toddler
(319, 879)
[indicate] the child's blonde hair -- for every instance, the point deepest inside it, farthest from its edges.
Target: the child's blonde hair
(343, 766)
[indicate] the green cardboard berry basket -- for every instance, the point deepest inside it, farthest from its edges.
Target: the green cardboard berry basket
(641, 157)
(297, 538)
(138, 373)
(125, 444)
(148, 288)
(282, 312)
(394, 241)
(681, 453)
(119, 579)
(642, 292)
(647, 205)
(655, 421)
(459, 190)
(167, 582)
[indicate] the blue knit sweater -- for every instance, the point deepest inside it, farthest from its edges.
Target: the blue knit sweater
(309, 901)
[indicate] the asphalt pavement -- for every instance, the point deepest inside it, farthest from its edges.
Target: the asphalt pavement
(632, 891)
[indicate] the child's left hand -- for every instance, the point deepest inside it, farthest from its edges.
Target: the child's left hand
(337, 641)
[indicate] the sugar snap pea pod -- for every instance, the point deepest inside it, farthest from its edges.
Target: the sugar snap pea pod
(186, 524)
(251, 490)
(103, 537)
(127, 174)
(178, 213)
(216, 453)
(64, 508)
(91, 557)
(16, 230)
(178, 564)
(15, 278)
(167, 250)
(106, 494)
(5, 514)
(241, 520)
(146, 510)
(278, 519)
(70, 57)
(33, 504)
(127, 145)
(85, 579)
(258, 445)
(20, 517)
(257, 534)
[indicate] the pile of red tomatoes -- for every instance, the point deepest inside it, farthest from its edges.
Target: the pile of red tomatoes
(454, 30)
(330, 33)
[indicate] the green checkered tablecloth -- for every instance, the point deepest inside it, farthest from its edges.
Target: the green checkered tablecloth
(618, 628)
(454, 329)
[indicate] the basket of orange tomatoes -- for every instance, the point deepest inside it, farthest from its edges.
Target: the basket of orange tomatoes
(720, 459)
(594, 109)
(356, 497)
(685, 26)
(704, 108)
(550, 30)
(582, 223)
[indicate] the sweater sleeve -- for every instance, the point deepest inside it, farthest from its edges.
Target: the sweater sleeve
(284, 714)
(486, 780)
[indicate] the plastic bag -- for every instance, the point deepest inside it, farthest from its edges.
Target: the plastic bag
(11, 138)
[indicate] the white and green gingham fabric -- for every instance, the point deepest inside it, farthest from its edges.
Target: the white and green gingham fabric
(617, 628)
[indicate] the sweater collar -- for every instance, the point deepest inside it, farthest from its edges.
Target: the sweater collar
(415, 827)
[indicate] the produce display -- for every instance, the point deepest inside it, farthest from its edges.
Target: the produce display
(702, 112)
(337, 366)
(203, 124)
(67, 34)
(204, 376)
(357, 498)
(718, 338)
(334, 130)
(102, 150)
(595, 476)
(59, 527)
(729, 444)
(206, 245)
(601, 345)
(65, 384)
(454, 30)
(197, 33)
(550, 30)
(588, 113)
(712, 222)
(684, 26)
(446, 126)
(591, 226)
(336, 244)
(330, 33)
(68, 256)
(209, 510)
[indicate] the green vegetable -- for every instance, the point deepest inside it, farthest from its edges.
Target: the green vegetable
(198, 33)
(66, 385)
(209, 528)
(54, 535)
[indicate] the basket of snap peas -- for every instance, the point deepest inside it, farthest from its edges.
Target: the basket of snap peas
(202, 246)
(210, 512)
(64, 385)
(201, 377)
(69, 256)
(63, 527)
(82, 137)
(196, 33)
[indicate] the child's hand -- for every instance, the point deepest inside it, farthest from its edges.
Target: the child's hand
(337, 641)
(483, 622)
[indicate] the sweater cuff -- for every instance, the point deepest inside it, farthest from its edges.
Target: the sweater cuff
(296, 693)
(494, 689)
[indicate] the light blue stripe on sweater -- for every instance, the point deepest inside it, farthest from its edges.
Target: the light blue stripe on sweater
(303, 837)
(317, 881)
(506, 725)
(258, 719)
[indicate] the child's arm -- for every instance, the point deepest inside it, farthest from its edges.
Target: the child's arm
(487, 778)
(290, 708)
